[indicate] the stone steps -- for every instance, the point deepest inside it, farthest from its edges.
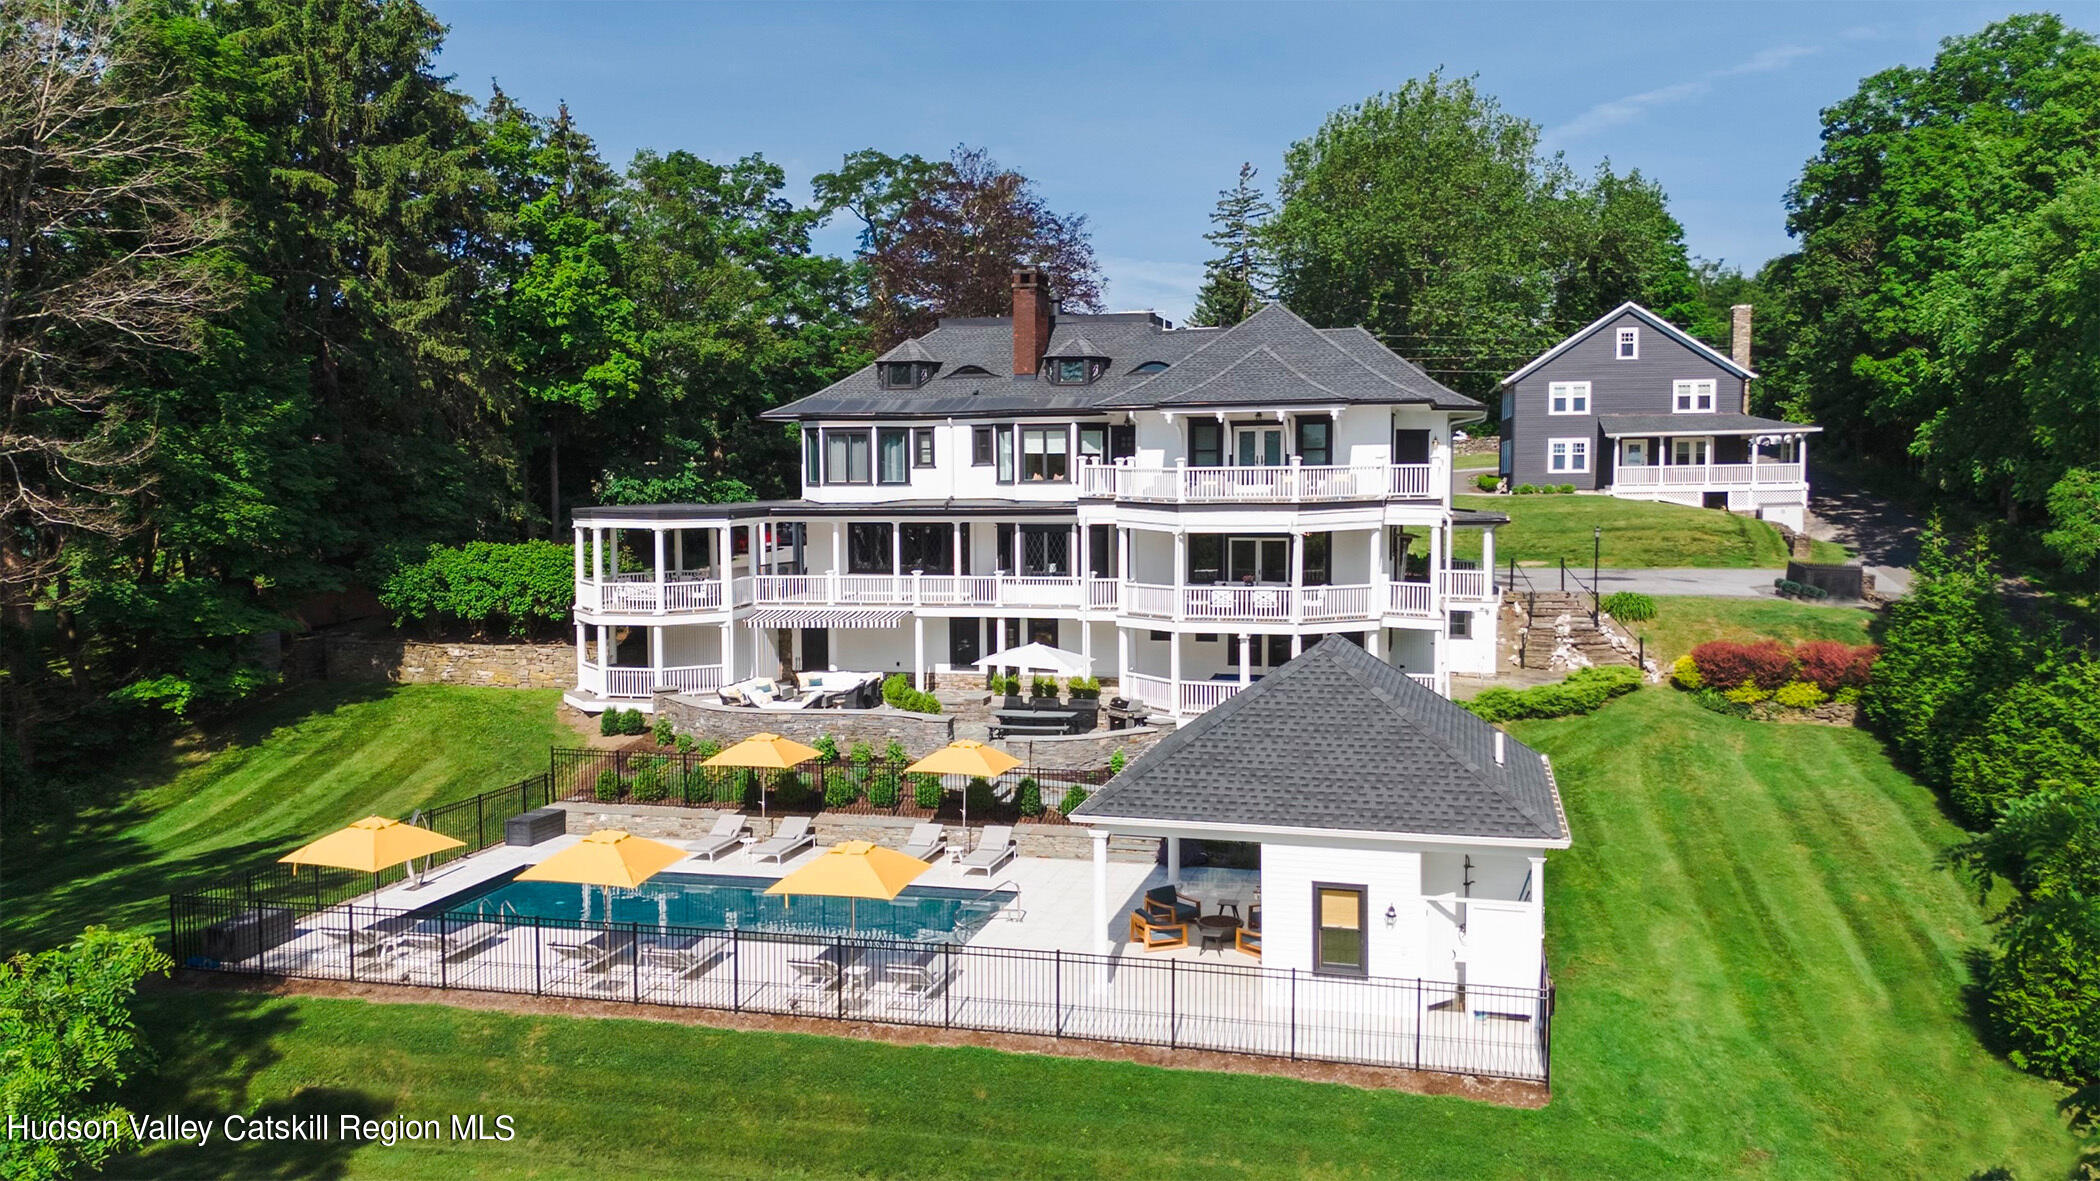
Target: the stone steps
(1552, 629)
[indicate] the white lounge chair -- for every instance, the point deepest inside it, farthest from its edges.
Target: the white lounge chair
(724, 837)
(789, 839)
(996, 849)
(927, 842)
(682, 959)
(918, 981)
(815, 980)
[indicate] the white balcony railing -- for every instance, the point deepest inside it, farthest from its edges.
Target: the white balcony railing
(1409, 598)
(1294, 484)
(1188, 698)
(1471, 585)
(694, 594)
(1701, 475)
(937, 590)
(641, 682)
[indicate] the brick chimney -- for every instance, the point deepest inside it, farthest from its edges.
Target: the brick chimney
(1739, 344)
(1031, 319)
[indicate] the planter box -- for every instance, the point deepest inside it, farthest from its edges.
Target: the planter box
(531, 828)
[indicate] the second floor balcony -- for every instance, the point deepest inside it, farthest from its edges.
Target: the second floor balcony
(1284, 484)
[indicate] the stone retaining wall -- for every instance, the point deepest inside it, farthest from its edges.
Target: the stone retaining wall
(400, 661)
(726, 724)
(1067, 841)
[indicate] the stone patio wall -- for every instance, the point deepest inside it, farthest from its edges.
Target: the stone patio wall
(726, 724)
(398, 661)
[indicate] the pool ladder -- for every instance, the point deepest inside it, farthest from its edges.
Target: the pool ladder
(1008, 908)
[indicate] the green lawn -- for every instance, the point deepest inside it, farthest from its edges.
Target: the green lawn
(1637, 533)
(1683, 622)
(1484, 461)
(1761, 971)
(308, 761)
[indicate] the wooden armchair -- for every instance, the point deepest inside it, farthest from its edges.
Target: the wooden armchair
(1247, 941)
(1156, 935)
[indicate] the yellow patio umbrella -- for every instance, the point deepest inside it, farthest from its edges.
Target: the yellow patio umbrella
(763, 752)
(610, 858)
(371, 845)
(853, 870)
(966, 757)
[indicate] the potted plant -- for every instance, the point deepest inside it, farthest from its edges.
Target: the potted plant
(1043, 693)
(1086, 702)
(1010, 686)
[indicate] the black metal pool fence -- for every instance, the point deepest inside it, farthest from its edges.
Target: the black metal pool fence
(310, 924)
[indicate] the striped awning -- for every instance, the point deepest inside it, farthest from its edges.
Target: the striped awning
(827, 617)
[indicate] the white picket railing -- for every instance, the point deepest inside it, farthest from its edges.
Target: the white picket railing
(1408, 598)
(1699, 475)
(633, 594)
(1467, 584)
(1157, 692)
(1197, 696)
(1294, 484)
(641, 682)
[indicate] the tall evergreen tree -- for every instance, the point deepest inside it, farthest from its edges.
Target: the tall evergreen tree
(1235, 283)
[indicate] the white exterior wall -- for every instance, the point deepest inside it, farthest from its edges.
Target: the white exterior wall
(1390, 877)
(1476, 653)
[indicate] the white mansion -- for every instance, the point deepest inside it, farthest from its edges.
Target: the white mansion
(1188, 507)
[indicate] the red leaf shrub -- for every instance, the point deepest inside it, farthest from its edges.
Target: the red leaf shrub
(1831, 666)
(1766, 664)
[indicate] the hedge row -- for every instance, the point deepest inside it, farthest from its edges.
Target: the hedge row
(1583, 692)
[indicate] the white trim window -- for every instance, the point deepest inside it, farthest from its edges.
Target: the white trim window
(1567, 455)
(1459, 625)
(1694, 397)
(1568, 397)
(1628, 345)
(1691, 451)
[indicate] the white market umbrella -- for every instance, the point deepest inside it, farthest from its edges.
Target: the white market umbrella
(1040, 657)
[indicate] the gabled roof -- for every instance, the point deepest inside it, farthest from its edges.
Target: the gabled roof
(1619, 426)
(1652, 320)
(1075, 346)
(1339, 739)
(1275, 357)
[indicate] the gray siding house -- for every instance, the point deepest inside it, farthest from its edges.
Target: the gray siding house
(1633, 406)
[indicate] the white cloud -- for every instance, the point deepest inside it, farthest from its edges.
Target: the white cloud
(1618, 111)
(1168, 288)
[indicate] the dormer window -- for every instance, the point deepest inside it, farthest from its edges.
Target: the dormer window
(1151, 367)
(1072, 372)
(1628, 344)
(1074, 362)
(904, 375)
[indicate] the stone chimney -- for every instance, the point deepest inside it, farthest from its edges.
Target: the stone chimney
(1031, 319)
(1739, 344)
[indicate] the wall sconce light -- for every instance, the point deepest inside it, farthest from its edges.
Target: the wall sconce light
(1392, 915)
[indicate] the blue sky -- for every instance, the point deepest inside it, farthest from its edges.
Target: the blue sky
(1135, 115)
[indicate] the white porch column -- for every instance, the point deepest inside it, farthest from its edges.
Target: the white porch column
(598, 555)
(605, 652)
(1075, 559)
(1297, 645)
(958, 555)
(1487, 557)
(1122, 660)
(656, 538)
(1103, 944)
(1181, 578)
(1246, 659)
(656, 656)
(1298, 574)
(918, 651)
(896, 548)
(578, 547)
(1437, 669)
(838, 556)
(1436, 565)
(729, 654)
(677, 549)
(1123, 554)
(1801, 457)
(1174, 669)
(726, 575)
(1174, 861)
(1086, 644)
(1374, 642)
(581, 653)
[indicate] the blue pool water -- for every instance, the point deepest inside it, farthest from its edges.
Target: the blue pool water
(726, 900)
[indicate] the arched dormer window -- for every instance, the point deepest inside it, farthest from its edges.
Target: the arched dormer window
(971, 371)
(1151, 367)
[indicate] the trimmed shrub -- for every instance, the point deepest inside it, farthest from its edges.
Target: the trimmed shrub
(1117, 760)
(648, 787)
(707, 748)
(1565, 489)
(1526, 490)
(919, 701)
(683, 744)
(738, 787)
(608, 786)
(1072, 800)
(634, 721)
(609, 722)
(978, 795)
(894, 754)
(1766, 664)
(1043, 686)
(827, 748)
(661, 728)
(1831, 666)
(792, 791)
(1747, 693)
(1800, 695)
(1028, 797)
(1084, 688)
(1629, 607)
(1846, 696)
(1718, 702)
(883, 790)
(894, 687)
(840, 788)
(1583, 692)
(1006, 683)
(1684, 673)
(926, 791)
(1487, 481)
(861, 755)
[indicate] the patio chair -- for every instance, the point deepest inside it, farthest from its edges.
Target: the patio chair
(685, 958)
(1247, 941)
(462, 943)
(592, 965)
(724, 837)
(789, 839)
(1152, 934)
(1167, 903)
(815, 980)
(927, 842)
(996, 849)
(919, 981)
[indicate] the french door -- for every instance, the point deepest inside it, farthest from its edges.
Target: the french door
(1257, 446)
(1264, 559)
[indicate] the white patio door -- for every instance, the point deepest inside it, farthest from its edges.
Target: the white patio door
(1265, 559)
(1258, 446)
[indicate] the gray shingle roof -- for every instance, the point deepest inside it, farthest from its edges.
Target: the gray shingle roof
(1616, 425)
(1652, 320)
(1302, 365)
(910, 350)
(1339, 739)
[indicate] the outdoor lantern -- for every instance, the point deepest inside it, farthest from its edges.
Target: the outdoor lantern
(1392, 914)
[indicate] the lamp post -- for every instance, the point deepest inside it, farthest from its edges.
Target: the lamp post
(1596, 560)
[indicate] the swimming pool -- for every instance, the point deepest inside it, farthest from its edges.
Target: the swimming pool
(921, 913)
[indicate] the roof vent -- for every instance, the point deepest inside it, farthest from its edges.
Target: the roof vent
(1501, 748)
